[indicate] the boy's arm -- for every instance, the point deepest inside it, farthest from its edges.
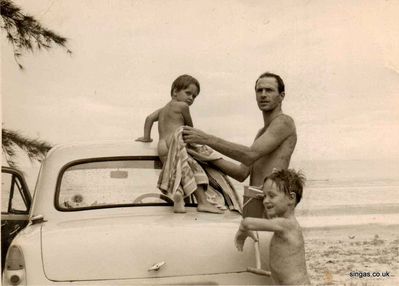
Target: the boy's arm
(260, 224)
(185, 111)
(149, 121)
(250, 224)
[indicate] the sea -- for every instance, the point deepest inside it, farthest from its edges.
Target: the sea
(350, 185)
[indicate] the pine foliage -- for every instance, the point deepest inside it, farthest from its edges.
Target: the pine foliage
(12, 140)
(25, 33)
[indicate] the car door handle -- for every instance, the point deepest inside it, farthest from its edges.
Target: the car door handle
(16, 228)
(156, 266)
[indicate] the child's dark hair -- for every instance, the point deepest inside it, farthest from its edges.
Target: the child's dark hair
(289, 181)
(183, 82)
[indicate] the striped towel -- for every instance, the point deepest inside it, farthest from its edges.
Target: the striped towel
(181, 172)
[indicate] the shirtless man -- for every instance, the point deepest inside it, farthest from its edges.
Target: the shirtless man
(282, 192)
(273, 145)
(174, 114)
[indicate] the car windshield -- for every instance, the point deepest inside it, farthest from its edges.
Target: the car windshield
(110, 183)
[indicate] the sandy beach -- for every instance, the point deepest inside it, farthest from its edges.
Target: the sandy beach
(336, 255)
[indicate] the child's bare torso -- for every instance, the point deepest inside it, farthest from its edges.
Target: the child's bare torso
(170, 118)
(287, 257)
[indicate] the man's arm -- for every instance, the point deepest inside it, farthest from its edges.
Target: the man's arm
(279, 129)
(149, 121)
(237, 171)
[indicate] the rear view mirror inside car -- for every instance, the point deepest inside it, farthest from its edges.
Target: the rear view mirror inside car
(119, 174)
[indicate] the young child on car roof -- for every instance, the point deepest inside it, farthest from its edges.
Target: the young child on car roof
(282, 192)
(175, 114)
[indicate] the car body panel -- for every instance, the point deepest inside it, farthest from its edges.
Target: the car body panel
(29, 240)
(131, 244)
(12, 219)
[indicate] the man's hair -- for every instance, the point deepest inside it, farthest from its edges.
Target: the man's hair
(289, 181)
(183, 82)
(280, 82)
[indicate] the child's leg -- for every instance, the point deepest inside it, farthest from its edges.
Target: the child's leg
(178, 202)
(203, 204)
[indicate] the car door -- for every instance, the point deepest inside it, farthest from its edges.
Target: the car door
(15, 205)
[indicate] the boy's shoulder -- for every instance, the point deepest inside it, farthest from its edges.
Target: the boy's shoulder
(179, 105)
(287, 224)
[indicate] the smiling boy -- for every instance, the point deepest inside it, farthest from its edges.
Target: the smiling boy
(282, 192)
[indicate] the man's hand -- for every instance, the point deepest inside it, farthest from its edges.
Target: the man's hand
(143, 139)
(192, 135)
(241, 236)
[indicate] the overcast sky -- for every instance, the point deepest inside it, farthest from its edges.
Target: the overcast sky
(339, 60)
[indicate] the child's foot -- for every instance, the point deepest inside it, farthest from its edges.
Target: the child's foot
(209, 208)
(178, 203)
(223, 208)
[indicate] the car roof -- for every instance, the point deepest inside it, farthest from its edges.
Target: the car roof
(82, 150)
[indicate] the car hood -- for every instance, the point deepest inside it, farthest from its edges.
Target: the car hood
(125, 247)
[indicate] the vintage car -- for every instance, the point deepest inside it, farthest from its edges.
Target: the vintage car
(97, 217)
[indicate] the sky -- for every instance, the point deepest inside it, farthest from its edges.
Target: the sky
(339, 61)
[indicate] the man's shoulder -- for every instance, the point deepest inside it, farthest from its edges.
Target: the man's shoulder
(284, 118)
(284, 121)
(281, 122)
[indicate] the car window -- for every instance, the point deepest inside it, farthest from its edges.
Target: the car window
(109, 184)
(11, 187)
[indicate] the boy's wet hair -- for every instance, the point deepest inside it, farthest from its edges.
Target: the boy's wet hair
(183, 82)
(289, 180)
(280, 82)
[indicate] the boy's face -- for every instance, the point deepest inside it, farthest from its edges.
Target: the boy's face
(276, 202)
(187, 94)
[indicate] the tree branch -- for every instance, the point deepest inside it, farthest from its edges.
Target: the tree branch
(24, 30)
(34, 148)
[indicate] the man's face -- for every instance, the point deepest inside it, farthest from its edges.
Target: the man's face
(276, 202)
(267, 94)
(186, 95)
